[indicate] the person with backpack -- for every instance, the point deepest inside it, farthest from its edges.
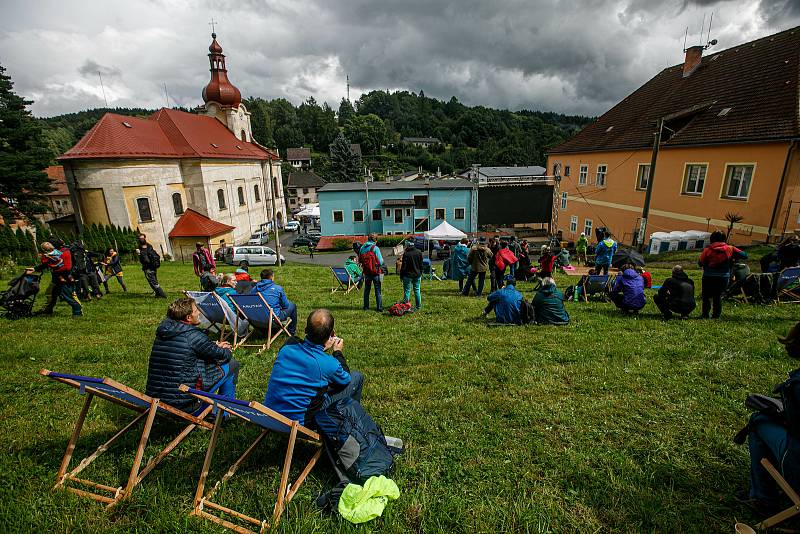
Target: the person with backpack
(371, 260)
(478, 258)
(411, 273)
(82, 271)
(604, 254)
(506, 303)
(548, 304)
(57, 259)
(150, 261)
(717, 260)
(203, 261)
(676, 295)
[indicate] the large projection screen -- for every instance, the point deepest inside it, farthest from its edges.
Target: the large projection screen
(507, 205)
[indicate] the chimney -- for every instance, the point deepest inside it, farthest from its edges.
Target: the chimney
(693, 56)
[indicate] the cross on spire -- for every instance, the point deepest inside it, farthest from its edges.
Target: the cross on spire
(212, 24)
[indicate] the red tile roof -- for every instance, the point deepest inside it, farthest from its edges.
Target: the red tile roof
(193, 224)
(168, 133)
(758, 81)
(57, 180)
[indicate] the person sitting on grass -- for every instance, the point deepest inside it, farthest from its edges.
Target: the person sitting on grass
(792, 341)
(244, 283)
(354, 270)
(506, 303)
(580, 287)
(276, 298)
(548, 304)
(411, 273)
(225, 289)
(628, 290)
(676, 295)
(183, 354)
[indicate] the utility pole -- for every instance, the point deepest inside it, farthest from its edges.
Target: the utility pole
(367, 211)
(640, 237)
(274, 211)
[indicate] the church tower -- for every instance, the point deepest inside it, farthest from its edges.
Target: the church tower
(222, 99)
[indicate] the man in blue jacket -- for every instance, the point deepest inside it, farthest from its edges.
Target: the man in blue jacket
(506, 303)
(305, 378)
(604, 254)
(276, 298)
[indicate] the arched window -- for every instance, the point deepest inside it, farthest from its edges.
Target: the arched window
(244, 136)
(177, 203)
(143, 206)
(221, 198)
(274, 186)
(256, 193)
(240, 193)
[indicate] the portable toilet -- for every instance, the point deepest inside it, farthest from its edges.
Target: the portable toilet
(682, 239)
(673, 240)
(695, 236)
(703, 239)
(659, 242)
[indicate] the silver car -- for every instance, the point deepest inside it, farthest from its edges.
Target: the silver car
(255, 255)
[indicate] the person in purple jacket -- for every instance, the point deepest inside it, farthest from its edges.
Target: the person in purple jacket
(628, 290)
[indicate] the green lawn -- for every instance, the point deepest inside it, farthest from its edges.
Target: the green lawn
(611, 424)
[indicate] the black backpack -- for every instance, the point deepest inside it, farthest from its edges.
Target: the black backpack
(527, 313)
(79, 259)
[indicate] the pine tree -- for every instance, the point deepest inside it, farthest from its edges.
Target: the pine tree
(345, 166)
(345, 111)
(23, 156)
(11, 241)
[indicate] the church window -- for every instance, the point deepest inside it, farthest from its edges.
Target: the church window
(240, 193)
(221, 199)
(143, 205)
(177, 203)
(244, 136)
(256, 193)
(274, 186)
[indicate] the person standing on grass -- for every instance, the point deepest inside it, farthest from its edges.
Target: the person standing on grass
(183, 354)
(59, 262)
(411, 273)
(628, 290)
(371, 260)
(506, 303)
(459, 265)
(203, 261)
(478, 258)
(547, 263)
(504, 258)
(676, 295)
(580, 248)
(150, 261)
(717, 261)
(604, 254)
(113, 267)
(494, 247)
(277, 300)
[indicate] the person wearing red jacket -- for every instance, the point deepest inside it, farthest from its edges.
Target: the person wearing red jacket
(547, 262)
(57, 259)
(502, 259)
(717, 261)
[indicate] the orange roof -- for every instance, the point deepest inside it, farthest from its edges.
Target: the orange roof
(167, 133)
(193, 224)
(57, 180)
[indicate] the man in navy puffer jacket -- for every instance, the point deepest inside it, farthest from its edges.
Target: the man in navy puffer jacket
(183, 354)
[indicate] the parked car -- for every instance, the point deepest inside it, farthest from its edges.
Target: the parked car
(292, 226)
(305, 241)
(255, 255)
(259, 238)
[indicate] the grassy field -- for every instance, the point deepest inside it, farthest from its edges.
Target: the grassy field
(611, 424)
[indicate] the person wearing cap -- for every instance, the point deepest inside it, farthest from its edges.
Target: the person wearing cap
(604, 254)
(478, 258)
(580, 248)
(506, 303)
(411, 273)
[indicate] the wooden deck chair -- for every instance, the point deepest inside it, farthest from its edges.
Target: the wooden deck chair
(146, 407)
(211, 310)
(232, 319)
(259, 314)
(344, 280)
(787, 285)
(788, 490)
(266, 419)
(598, 284)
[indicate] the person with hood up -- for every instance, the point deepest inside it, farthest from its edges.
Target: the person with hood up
(548, 304)
(628, 290)
(276, 298)
(354, 270)
(504, 258)
(580, 248)
(411, 273)
(183, 354)
(506, 303)
(459, 264)
(717, 261)
(676, 295)
(604, 254)
(562, 260)
(478, 258)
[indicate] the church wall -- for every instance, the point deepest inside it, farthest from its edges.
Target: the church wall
(93, 206)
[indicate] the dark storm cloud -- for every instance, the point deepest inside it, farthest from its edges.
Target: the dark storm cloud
(91, 68)
(777, 11)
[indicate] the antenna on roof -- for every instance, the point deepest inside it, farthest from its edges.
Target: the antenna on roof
(103, 88)
(685, 35)
(702, 27)
(166, 94)
(708, 37)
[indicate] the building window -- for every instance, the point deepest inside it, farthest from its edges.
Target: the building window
(438, 213)
(143, 205)
(694, 179)
(573, 224)
(338, 216)
(458, 214)
(737, 181)
(582, 174)
(408, 212)
(388, 213)
(421, 202)
(587, 227)
(291, 201)
(600, 179)
(244, 136)
(177, 203)
(256, 193)
(305, 190)
(566, 170)
(221, 199)
(563, 201)
(642, 177)
(376, 215)
(274, 187)
(306, 200)
(398, 216)
(240, 193)
(358, 215)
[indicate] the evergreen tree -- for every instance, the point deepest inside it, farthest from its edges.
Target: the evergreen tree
(345, 166)
(23, 156)
(345, 111)
(11, 244)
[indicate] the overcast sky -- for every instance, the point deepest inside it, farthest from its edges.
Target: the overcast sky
(570, 56)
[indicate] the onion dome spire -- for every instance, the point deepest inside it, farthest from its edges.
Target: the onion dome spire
(220, 89)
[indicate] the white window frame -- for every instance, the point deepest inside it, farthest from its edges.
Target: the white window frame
(455, 214)
(139, 211)
(362, 216)
(341, 214)
(256, 193)
(639, 173)
(729, 167)
(687, 167)
(601, 174)
(437, 211)
(566, 170)
(583, 174)
(573, 223)
(388, 212)
(402, 220)
(372, 214)
(588, 227)
(564, 198)
(224, 203)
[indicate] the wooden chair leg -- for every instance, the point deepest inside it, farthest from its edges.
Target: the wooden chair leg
(198, 495)
(287, 464)
(133, 478)
(73, 440)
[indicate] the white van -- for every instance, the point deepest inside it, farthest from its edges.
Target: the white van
(259, 238)
(255, 255)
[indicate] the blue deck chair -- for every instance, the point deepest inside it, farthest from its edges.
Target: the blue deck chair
(259, 314)
(232, 320)
(146, 407)
(345, 281)
(787, 285)
(211, 310)
(598, 284)
(429, 270)
(265, 419)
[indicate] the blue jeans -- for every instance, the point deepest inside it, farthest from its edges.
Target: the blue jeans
(351, 390)
(770, 440)
(471, 283)
(291, 312)
(408, 284)
(368, 282)
(226, 386)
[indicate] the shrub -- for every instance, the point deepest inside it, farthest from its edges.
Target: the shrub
(341, 244)
(390, 240)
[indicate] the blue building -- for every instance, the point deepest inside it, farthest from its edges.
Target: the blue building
(358, 208)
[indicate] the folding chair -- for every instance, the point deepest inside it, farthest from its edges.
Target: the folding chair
(598, 284)
(259, 314)
(787, 489)
(212, 310)
(147, 408)
(232, 319)
(346, 282)
(787, 285)
(266, 419)
(429, 270)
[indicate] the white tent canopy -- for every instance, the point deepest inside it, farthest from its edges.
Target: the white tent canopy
(311, 210)
(445, 232)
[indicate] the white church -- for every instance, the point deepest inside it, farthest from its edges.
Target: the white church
(179, 177)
